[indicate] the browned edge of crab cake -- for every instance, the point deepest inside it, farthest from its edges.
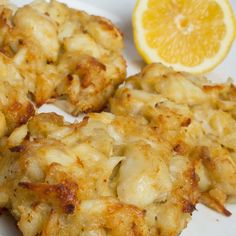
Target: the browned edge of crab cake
(15, 107)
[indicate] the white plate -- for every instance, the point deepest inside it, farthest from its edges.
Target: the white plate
(205, 222)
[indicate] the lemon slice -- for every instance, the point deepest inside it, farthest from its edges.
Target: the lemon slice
(189, 35)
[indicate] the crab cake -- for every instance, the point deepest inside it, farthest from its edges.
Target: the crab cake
(108, 175)
(15, 107)
(65, 56)
(195, 116)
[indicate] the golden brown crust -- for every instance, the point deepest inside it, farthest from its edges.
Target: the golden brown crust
(64, 192)
(15, 106)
